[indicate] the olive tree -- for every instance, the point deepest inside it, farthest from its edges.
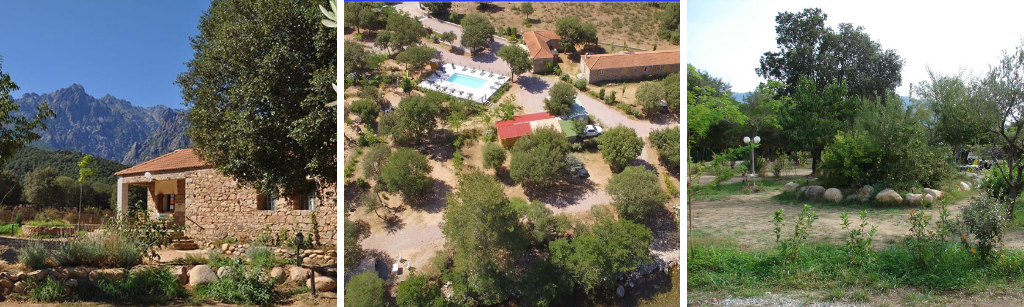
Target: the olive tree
(620, 146)
(636, 192)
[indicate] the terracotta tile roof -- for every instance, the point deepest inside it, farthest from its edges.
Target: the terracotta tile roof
(537, 43)
(180, 159)
(519, 125)
(636, 59)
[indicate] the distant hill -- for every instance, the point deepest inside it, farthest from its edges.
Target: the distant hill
(107, 127)
(64, 161)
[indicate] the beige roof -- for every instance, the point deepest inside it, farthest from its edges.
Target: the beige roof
(546, 123)
(537, 43)
(636, 59)
(180, 159)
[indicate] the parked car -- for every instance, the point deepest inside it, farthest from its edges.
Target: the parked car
(592, 131)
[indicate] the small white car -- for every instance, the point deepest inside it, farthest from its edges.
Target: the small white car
(592, 130)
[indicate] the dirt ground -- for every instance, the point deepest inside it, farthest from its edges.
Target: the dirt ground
(637, 24)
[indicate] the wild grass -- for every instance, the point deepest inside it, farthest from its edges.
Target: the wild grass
(707, 193)
(148, 285)
(48, 223)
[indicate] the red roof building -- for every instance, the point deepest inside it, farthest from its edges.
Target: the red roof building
(509, 131)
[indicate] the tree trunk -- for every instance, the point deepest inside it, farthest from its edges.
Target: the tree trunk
(1013, 202)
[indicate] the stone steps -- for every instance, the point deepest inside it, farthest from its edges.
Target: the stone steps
(184, 244)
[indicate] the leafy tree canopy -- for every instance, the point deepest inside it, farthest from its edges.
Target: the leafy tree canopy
(415, 119)
(707, 103)
(518, 59)
(494, 156)
(637, 192)
(416, 56)
(592, 258)
(619, 146)
(406, 171)
(539, 158)
(649, 96)
(574, 32)
(365, 289)
(438, 9)
(256, 89)
(667, 142)
(563, 95)
(477, 31)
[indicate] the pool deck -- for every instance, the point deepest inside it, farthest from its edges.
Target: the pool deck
(439, 82)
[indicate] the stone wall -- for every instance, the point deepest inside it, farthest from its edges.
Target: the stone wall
(630, 73)
(222, 208)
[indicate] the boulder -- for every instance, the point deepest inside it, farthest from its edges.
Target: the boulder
(964, 186)
(201, 274)
(181, 272)
(38, 275)
(278, 275)
(6, 283)
(323, 283)
(814, 192)
(108, 273)
(914, 199)
(77, 272)
(833, 195)
(934, 193)
(889, 196)
(928, 198)
(71, 283)
(297, 274)
(19, 287)
(852, 197)
(791, 186)
(865, 190)
(800, 192)
(58, 275)
(224, 247)
(225, 271)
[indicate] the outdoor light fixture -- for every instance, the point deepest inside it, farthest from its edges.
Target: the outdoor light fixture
(757, 139)
(149, 176)
(298, 248)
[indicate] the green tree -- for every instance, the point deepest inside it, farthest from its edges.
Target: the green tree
(355, 57)
(669, 28)
(353, 251)
(416, 56)
(563, 95)
(649, 96)
(667, 142)
(526, 8)
(542, 225)
(374, 159)
(405, 31)
(364, 15)
(957, 121)
(637, 192)
(574, 32)
(10, 188)
(518, 59)
(494, 156)
(383, 40)
(419, 291)
(415, 119)
(477, 31)
(671, 86)
(708, 103)
(438, 9)
(40, 187)
(594, 257)
(764, 105)
(365, 290)
(367, 110)
(539, 158)
(85, 172)
(809, 49)
(255, 90)
(17, 130)
(620, 146)
(448, 37)
(406, 171)
(812, 118)
(486, 235)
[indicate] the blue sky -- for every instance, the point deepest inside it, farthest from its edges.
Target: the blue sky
(133, 50)
(727, 38)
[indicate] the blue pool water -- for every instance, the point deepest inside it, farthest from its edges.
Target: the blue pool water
(467, 80)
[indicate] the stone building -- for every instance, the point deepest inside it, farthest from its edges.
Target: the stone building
(540, 44)
(185, 190)
(629, 66)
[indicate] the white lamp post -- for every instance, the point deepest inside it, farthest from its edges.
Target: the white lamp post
(756, 140)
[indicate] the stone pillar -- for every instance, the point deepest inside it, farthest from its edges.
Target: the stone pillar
(122, 197)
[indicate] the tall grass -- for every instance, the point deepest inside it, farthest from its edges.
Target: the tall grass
(827, 266)
(148, 285)
(248, 286)
(33, 255)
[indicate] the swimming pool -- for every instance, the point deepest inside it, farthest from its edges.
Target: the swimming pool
(461, 79)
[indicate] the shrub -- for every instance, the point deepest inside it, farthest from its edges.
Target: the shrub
(217, 259)
(858, 242)
(849, 160)
(246, 286)
(48, 223)
(33, 255)
(780, 165)
(80, 251)
(671, 187)
(636, 192)
(576, 147)
(564, 77)
(367, 138)
(46, 291)
(149, 285)
(494, 156)
(600, 95)
(122, 252)
(262, 257)
(982, 224)
(993, 184)
(457, 160)
(611, 98)
(790, 247)
(620, 146)
(580, 84)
